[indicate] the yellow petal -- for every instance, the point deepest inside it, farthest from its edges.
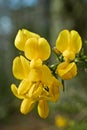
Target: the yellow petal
(43, 109)
(20, 40)
(67, 70)
(22, 36)
(14, 89)
(35, 90)
(37, 49)
(35, 75)
(75, 41)
(20, 67)
(46, 75)
(54, 90)
(69, 55)
(30, 34)
(44, 49)
(63, 41)
(24, 86)
(70, 41)
(38, 91)
(27, 105)
(31, 90)
(35, 63)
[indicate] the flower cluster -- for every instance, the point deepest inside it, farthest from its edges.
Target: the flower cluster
(38, 82)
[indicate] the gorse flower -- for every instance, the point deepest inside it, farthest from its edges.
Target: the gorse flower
(37, 85)
(22, 36)
(68, 44)
(37, 82)
(33, 45)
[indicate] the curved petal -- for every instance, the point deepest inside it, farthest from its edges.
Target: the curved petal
(20, 40)
(14, 89)
(44, 49)
(27, 105)
(38, 91)
(37, 49)
(75, 41)
(43, 109)
(20, 67)
(63, 41)
(54, 90)
(22, 36)
(35, 91)
(24, 86)
(55, 94)
(31, 48)
(67, 70)
(46, 75)
(30, 34)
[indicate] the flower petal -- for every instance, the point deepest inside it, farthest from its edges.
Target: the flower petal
(75, 41)
(69, 55)
(37, 49)
(35, 63)
(27, 105)
(54, 90)
(43, 108)
(35, 74)
(35, 90)
(63, 41)
(69, 41)
(67, 70)
(24, 86)
(44, 49)
(46, 75)
(14, 89)
(22, 36)
(20, 67)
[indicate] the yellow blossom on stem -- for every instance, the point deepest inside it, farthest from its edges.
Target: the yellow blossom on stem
(38, 81)
(67, 70)
(37, 85)
(22, 36)
(68, 44)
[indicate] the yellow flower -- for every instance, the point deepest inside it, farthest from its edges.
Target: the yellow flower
(61, 122)
(34, 46)
(37, 85)
(43, 108)
(69, 44)
(67, 70)
(37, 49)
(22, 36)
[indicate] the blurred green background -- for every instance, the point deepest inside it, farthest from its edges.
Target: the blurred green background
(47, 18)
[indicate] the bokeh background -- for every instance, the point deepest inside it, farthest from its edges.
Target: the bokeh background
(47, 18)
